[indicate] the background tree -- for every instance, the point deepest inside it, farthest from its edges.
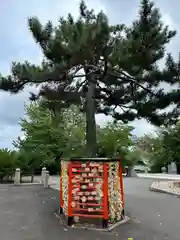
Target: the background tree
(162, 148)
(152, 150)
(171, 145)
(114, 139)
(74, 130)
(7, 163)
(23, 162)
(110, 69)
(42, 133)
(146, 143)
(133, 156)
(49, 137)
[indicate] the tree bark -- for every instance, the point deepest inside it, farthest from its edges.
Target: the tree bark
(90, 119)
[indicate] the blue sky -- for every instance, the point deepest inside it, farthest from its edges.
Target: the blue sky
(16, 44)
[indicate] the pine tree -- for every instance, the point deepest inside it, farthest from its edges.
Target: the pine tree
(103, 68)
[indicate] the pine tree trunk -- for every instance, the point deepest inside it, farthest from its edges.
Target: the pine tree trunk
(90, 120)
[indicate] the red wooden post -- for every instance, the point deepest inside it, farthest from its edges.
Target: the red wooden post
(70, 217)
(105, 197)
(121, 182)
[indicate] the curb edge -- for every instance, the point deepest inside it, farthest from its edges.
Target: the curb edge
(153, 189)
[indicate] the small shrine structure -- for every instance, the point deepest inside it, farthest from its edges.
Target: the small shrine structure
(92, 188)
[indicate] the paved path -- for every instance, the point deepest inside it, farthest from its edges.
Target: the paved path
(154, 215)
(27, 213)
(158, 214)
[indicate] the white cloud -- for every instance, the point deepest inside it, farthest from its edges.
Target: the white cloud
(141, 127)
(7, 134)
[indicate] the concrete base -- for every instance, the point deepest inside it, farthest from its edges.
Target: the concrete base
(84, 226)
